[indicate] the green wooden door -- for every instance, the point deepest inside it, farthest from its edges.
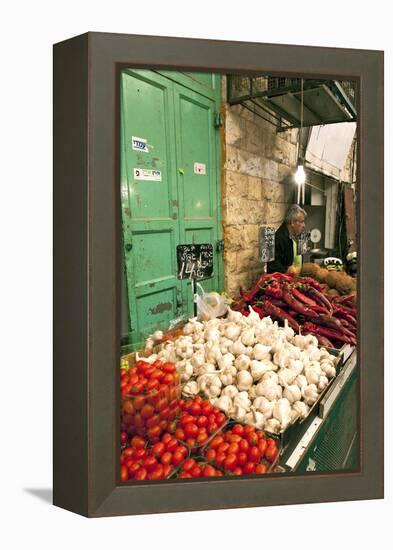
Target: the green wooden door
(167, 135)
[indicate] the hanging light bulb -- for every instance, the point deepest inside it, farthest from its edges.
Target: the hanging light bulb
(300, 174)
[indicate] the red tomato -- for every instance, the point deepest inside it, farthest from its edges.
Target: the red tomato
(191, 429)
(168, 367)
(235, 438)
(141, 474)
(271, 452)
(207, 408)
(248, 429)
(179, 434)
(128, 452)
(223, 447)
(198, 399)
(183, 450)
(154, 432)
(165, 413)
(209, 471)
(123, 438)
(150, 463)
(166, 458)
(123, 473)
(244, 445)
(161, 404)
(228, 435)
(157, 473)
(132, 470)
(202, 437)
(158, 449)
(188, 464)
(138, 442)
(171, 445)
(220, 457)
(184, 475)
(195, 409)
(202, 421)
(139, 453)
(260, 469)
(254, 454)
(270, 440)
(153, 421)
(262, 446)
(166, 437)
(210, 454)
(211, 418)
(152, 384)
(147, 411)
(155, 374)
(216, 441)
(128, 407)
(172, 426)
(195, 471)
(168, 378)
(220, 418)
(238, 429)
(167, 469)
(249, 468)
(138, 421)
(230, 462)
(237, 471)
(242, 458)
(233, 449)
(252, 438)
(177, 458)
(191, 441)
(163, 425)
(138, 402)
(186, 419)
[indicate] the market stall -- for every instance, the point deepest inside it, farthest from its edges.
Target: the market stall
(259, 389)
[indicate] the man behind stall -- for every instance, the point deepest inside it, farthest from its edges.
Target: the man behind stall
(286, 257)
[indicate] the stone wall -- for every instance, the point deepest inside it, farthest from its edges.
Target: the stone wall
(258, 164)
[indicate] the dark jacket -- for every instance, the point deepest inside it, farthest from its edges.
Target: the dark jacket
(283, 251)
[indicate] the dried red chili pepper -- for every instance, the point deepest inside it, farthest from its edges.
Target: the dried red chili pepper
(280, 314)
(296, 305)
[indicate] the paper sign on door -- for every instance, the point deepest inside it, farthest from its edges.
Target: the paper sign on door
(199, 168)
(141, 174)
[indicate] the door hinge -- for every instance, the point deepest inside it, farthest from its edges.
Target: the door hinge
(218, 120)
(220, 245)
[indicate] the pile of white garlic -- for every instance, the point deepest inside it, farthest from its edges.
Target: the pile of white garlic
(252, 369)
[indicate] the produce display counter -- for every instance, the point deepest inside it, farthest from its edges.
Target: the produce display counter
(328, 440)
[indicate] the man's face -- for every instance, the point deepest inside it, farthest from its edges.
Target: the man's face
(297, 225)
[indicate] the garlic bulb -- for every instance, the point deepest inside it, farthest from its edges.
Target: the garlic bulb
(252, 392)
(237, 348)
(247, 337)
(261, 352)
(310, 394)
(269, 389)
(296, 365)
(198, 359)
(258, 369)
(158, 335)
(323, 382)
(273, 426)
(264, 406)
(230, 390)
(240, 413)
(242, 400)
(292, 393)
(312, 374)
(282, 412)
(330, 372)
(226, 360)
(255, 418)
(244, 380)
(299, 341)
(242, 362)
(234, 316)
(300, 408)
(286, 376)
(301, 381)
(270, 375)
(232, 331)
(191, 388)
(224, 402)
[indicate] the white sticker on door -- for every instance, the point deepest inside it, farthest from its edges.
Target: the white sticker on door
(147, 175)
(199, 168)
(139, 144)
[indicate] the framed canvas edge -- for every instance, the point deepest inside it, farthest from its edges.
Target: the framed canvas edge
(103, 495)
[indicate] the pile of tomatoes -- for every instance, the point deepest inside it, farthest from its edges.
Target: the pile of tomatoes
(199, 420)
(150, 399)
(242, 450)
(141, 460)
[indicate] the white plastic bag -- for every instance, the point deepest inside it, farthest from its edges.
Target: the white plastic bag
(210, 305)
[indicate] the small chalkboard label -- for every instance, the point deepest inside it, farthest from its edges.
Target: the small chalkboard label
(266, 244)
(194, 261)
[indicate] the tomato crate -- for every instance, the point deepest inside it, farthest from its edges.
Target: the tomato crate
(199, 423)
(246, 450)
(151, 463)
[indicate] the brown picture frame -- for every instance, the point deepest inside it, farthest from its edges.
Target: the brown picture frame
(87, 274)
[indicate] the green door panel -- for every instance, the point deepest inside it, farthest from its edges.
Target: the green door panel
(196, 149)
(165, 129)
(149, 208)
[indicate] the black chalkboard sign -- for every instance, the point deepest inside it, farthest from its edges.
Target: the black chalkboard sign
(266, 244)
(194, 261)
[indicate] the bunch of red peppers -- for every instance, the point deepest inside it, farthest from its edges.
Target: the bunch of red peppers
(302, 302)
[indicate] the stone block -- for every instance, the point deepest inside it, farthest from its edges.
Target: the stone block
(236, 184)
(254, 188)
(234, 129)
